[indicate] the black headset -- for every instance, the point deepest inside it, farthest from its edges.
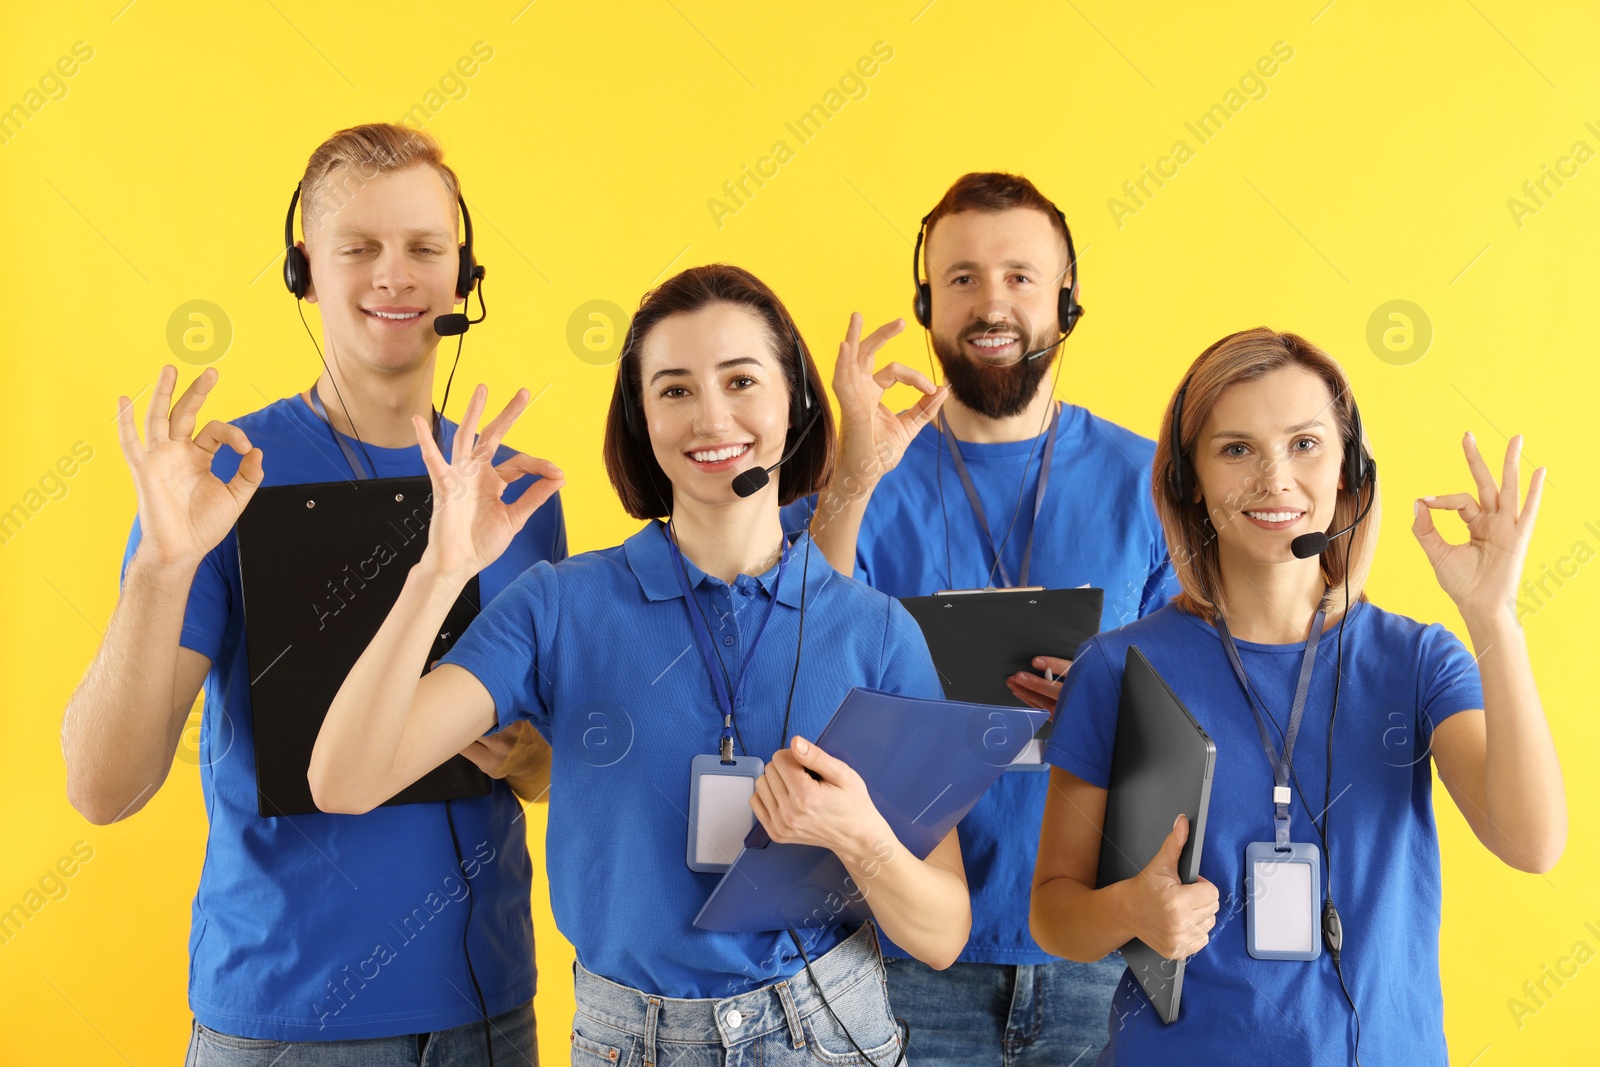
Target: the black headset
(297, 268)
(1068, 310)
(1357, 467)
(633, 406)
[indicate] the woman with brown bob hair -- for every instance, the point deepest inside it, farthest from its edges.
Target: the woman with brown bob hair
(637, 663)
(1313, 927)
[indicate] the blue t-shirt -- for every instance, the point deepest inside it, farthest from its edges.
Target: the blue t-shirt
(331, 927)
(1401, 680)
(598, 653)
(1098, 527)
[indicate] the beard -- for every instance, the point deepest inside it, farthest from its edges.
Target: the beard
(995, 391)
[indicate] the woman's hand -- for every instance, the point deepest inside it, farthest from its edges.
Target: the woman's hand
(1036, 691)
(832, 810)
(872, 438)
(1172, 918)
(184, 509)
(1481, 576)
(471, 526)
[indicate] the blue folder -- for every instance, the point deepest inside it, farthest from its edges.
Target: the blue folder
(925, 763)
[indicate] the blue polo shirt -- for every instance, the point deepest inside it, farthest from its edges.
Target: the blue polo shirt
(598, 653)
(331, 927)
(1401, 680)
(1098, 527)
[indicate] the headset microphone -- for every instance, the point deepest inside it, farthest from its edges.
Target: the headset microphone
(456, 323)
(1029, 357)
(1314, 544)
(752, 481)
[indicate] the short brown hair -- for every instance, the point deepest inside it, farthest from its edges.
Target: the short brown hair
(991, 191)
(1191, 538)
(631, 464)
(363, 153)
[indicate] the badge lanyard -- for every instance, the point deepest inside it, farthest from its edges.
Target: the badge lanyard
(344, 446)
(720, 786)
(728, 692)
(1283, 885)
(977, 505)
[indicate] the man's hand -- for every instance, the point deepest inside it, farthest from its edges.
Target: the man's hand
(871, 437)
(1037, 691)
(184, 510)
(517, 754)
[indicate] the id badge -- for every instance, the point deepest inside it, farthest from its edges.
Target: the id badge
(719, 810)
(1283, 891)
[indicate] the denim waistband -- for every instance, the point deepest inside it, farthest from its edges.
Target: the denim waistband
(738, 1019)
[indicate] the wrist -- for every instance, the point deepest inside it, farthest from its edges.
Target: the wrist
(854, 478)
(862, 455)
(431, 578)
(147, 563)
(1493, 626)
(1121, 895)
(866, 843)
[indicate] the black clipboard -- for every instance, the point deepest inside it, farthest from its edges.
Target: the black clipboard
(980, 637)
(321, 565)
(1161, 764)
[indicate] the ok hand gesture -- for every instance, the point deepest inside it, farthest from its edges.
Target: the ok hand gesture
(184, 509)
(471, 525)
(873, 438)
(1481, 576)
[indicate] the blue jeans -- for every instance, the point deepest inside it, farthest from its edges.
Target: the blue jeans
(1017, 1015)
(514, 1034)
(778, 1024)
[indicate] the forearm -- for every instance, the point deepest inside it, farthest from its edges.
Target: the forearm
(353, 766)
(841, 507)
(121, 728)
(1070, 920)
(922, 906)
(1524, 798)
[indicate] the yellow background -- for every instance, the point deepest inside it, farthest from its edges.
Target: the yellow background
(1377, 167)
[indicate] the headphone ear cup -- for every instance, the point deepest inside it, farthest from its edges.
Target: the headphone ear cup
(630, 417)
(296, 272)
(1068, 311)
(1357, 470)
(922, 305)
(466, 273)
(632, 402)
(800, 392)
(1179, 478)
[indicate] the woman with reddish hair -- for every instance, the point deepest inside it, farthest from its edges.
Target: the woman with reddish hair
(1325, 710)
